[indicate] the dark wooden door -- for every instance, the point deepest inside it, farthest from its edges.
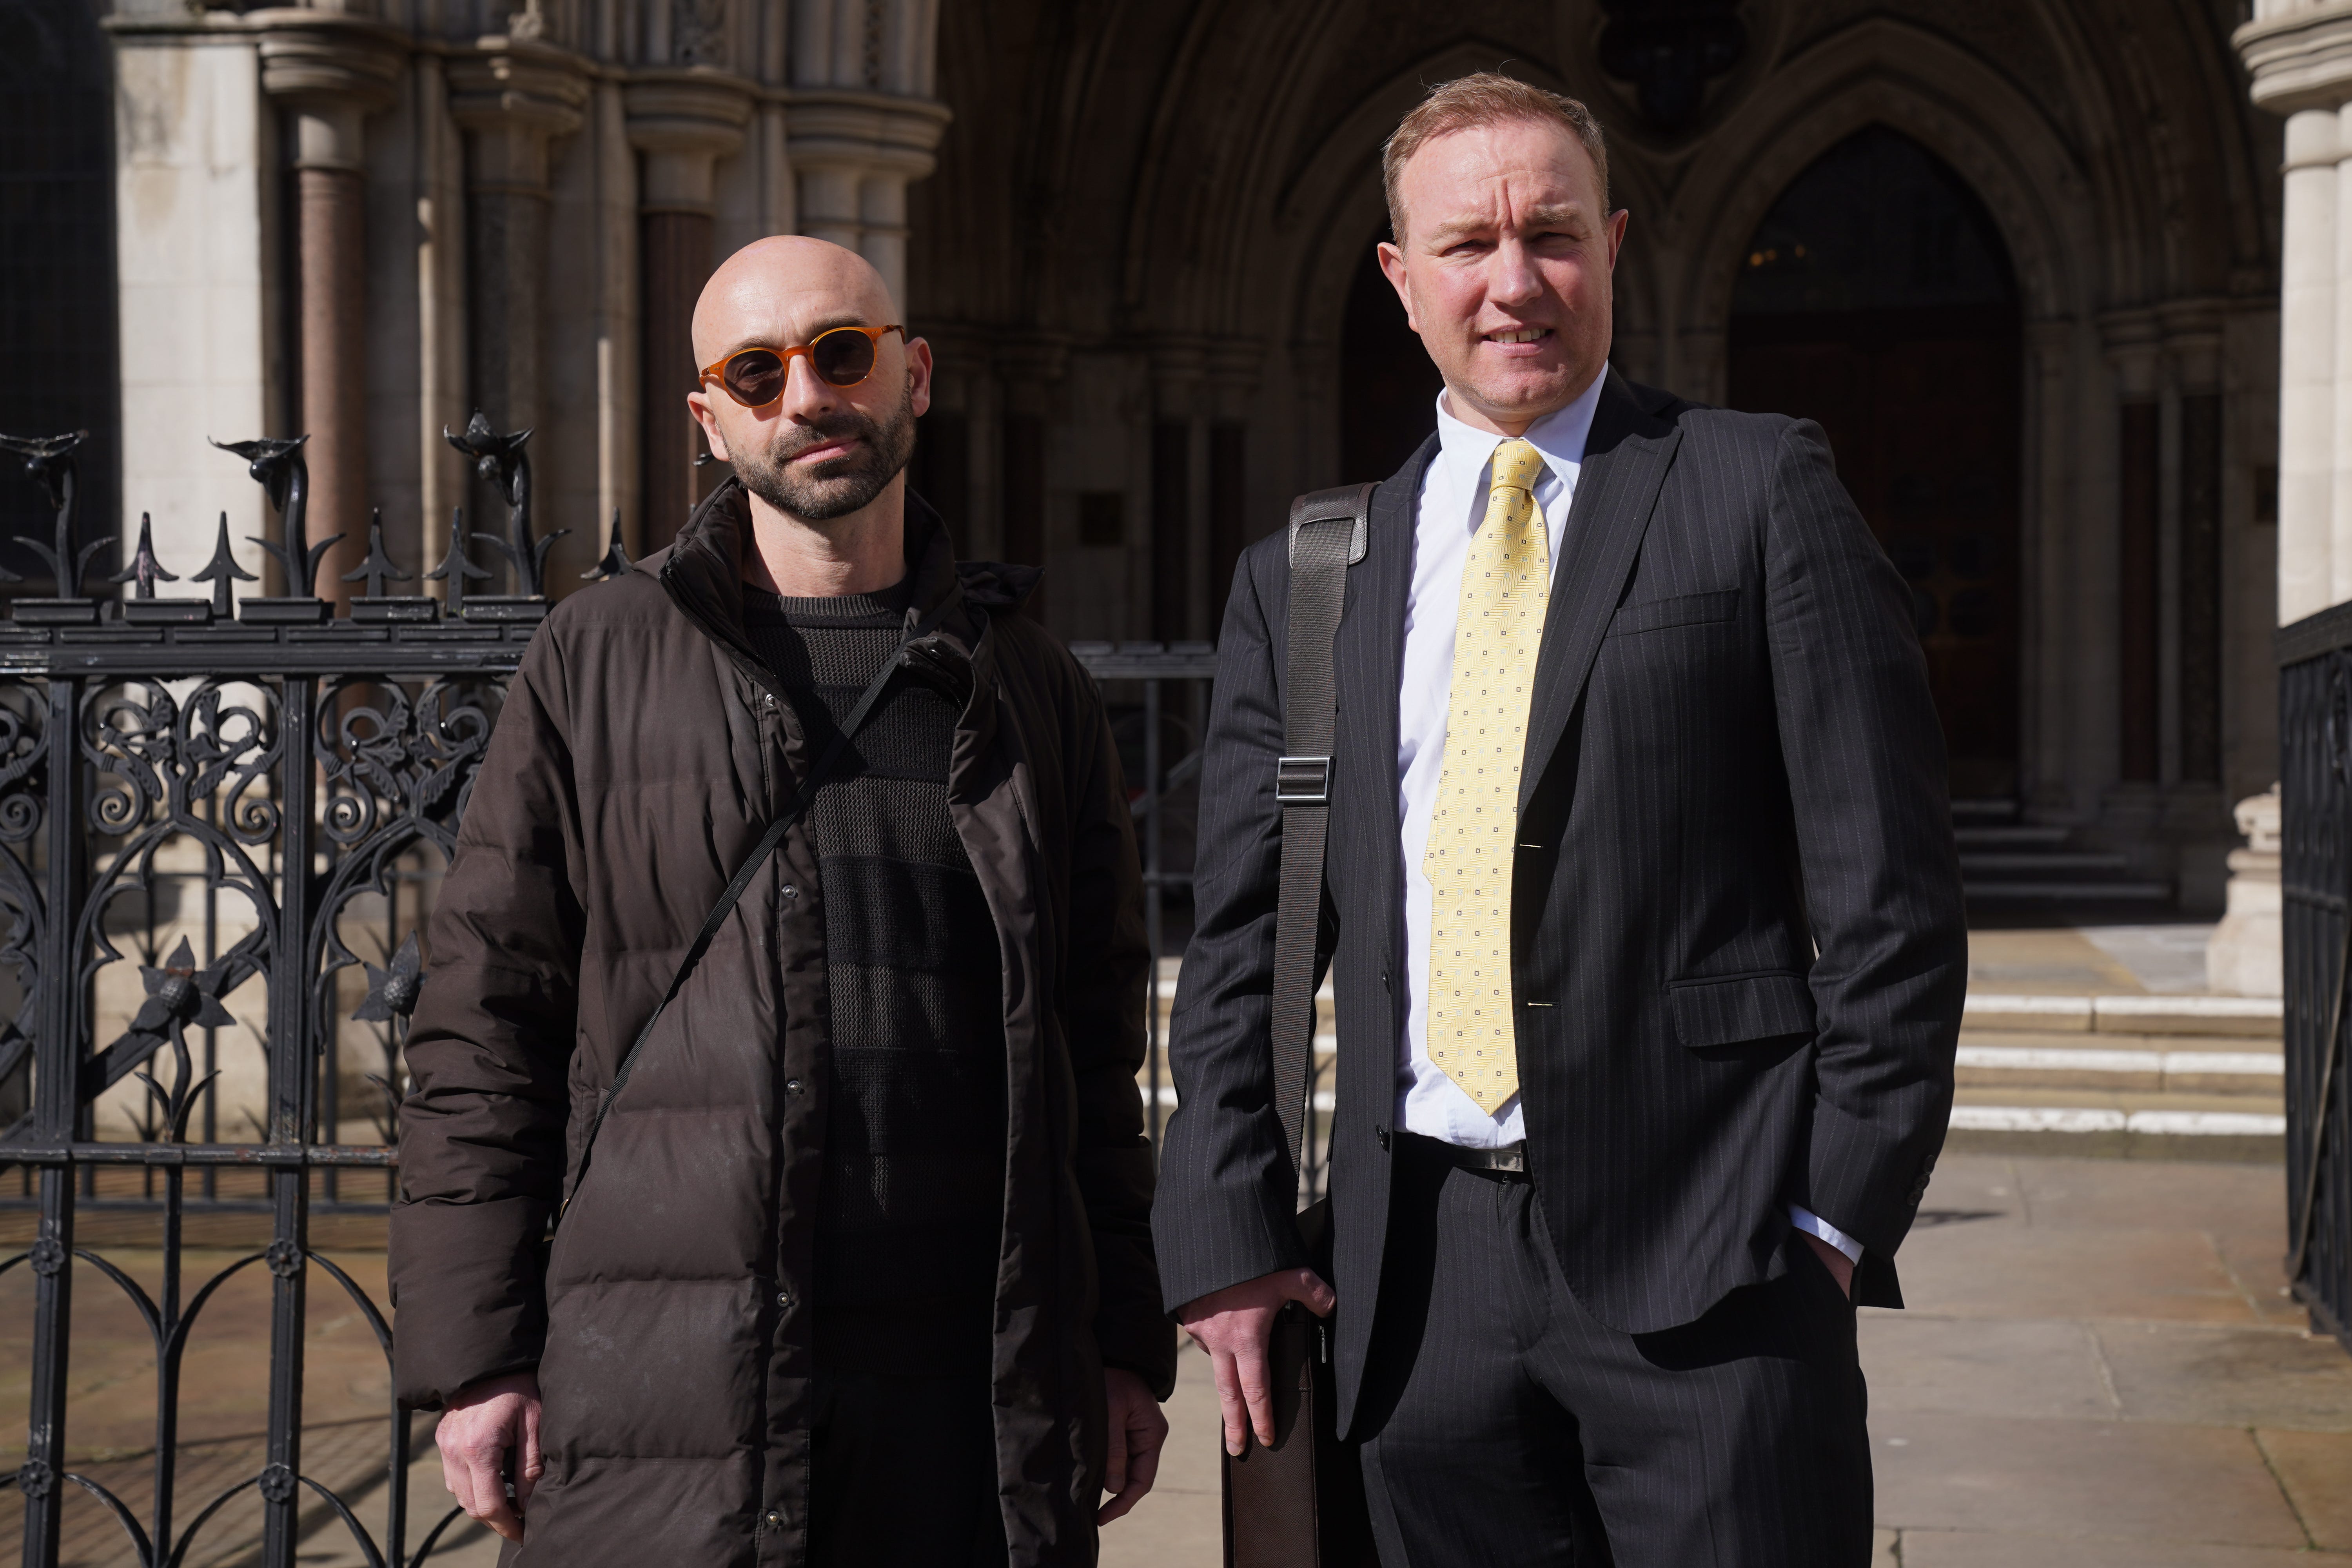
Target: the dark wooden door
(1922, 412)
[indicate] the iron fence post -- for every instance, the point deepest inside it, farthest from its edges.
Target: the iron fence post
(294, 1069)
(58, 1117)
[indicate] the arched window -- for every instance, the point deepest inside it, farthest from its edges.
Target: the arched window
(1877, 298)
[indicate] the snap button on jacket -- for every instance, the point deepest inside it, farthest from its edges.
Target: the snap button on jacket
(641, 751)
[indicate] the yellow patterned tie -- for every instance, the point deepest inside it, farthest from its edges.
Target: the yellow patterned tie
(1498, 628)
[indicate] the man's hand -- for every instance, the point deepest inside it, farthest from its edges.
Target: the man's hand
(1234, 1325)
(484, 1423)
(1138, 1433)
(1839, 1266)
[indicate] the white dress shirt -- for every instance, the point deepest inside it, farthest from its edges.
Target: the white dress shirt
(1453, 505)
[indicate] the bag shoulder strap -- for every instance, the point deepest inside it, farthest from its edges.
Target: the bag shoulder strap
(1329, 532)
(794, 809)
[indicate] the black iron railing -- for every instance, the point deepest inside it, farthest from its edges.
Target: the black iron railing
(223, 819)
(2314, 659)
(216, 814)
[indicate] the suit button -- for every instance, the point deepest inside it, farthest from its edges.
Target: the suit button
(792, 1086)
(1383, 1134)
(790, 891)
(776, 1517)
(784, 1298)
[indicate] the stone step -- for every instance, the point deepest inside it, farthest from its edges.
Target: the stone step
(2011, 837)
(1984, 811)
(2049, 864)
(2119, 1124)
(2142, 1064)
(2046, 891)
(2261, 1018)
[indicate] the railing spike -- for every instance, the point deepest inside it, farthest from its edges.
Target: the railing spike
(144, 570)
(378, 564)
(616, 563)
(221, 571)
(458, 566)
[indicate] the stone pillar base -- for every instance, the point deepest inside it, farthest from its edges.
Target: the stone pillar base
(2245, 956)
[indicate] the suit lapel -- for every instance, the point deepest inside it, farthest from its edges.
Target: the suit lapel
(1625, 461)
(1369, 651)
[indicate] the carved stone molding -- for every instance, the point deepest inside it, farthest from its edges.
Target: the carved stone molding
(513, 96)
(683, 121)
(2300, 61)
(2132, 338)
(331, 71)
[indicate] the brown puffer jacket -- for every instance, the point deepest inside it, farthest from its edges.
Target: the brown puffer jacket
(642, 750)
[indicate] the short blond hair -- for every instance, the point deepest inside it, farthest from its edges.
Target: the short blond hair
(1485, 98)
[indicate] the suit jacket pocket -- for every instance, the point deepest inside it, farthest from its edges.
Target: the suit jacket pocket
(1683, 610)
(1731, 1008)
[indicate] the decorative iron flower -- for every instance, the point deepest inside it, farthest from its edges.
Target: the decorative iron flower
(393, 993)
(179, 994)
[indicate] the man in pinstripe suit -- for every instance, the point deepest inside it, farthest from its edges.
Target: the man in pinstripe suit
(1646, 925)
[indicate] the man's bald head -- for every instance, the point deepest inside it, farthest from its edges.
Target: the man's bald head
(785, 289)
(818, 452)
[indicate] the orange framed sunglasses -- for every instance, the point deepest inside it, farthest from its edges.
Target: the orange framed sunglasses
(841, 356)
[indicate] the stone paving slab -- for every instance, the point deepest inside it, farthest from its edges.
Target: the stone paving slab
(2314, 1469)
(1975, 1549)
(2058, 1479)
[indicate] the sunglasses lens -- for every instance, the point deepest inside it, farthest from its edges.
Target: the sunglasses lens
(843, 356)
(757, 376)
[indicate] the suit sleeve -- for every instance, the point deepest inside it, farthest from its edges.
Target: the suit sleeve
(1102, 1019)
(489, 1047)
(1227, 1187)
(1866, 764)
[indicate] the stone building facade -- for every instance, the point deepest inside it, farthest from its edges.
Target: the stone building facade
(2022, 257)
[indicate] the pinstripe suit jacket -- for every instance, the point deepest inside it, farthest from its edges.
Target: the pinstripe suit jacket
(1738, 946)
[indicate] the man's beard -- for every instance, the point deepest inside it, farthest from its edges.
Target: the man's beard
(838, 486)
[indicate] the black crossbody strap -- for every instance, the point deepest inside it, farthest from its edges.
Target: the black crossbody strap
(1327, 533)
(794, 809)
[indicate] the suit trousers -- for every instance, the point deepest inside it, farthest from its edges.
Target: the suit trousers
(1503, 1427)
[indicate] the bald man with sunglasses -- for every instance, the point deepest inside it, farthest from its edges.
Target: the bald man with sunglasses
(793, 955)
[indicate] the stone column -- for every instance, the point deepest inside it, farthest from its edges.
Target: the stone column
(328, 72)
(1234, 367)
(683, 122)
(2130, 338)
(1028, 368)
(513, 96)
(2299, 55)
(855, 153)
(1178, 368)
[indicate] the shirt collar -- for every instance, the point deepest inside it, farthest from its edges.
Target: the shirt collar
(1559, 436)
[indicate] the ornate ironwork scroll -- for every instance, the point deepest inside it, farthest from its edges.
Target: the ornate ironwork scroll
(215, 815)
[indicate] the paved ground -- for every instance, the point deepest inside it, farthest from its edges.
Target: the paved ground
(2098, 1369)
(2087, 960)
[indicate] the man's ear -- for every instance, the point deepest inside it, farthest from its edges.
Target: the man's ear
(919, 377)
(1616, 229)
(1393, 265)
(699, 407)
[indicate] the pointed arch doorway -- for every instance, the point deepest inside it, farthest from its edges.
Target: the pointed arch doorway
(1877, 298)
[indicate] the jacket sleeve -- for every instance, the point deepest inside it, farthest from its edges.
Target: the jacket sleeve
(481, 1135)
(1866, 765)
(1102, 1020)
(1227, 1187)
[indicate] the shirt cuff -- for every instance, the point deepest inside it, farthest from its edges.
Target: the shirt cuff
(1812, 1223)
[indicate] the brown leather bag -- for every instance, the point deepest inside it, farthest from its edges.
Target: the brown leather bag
(1301, 1503)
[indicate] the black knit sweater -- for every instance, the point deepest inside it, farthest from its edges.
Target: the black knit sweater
(914, 1162)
